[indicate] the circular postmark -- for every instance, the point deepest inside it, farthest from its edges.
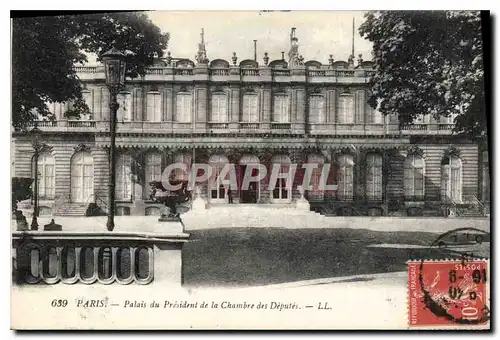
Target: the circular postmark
(454, 287)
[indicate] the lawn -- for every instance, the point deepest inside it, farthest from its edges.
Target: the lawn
(260, 256)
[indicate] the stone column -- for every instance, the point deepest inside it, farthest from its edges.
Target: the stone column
(299, 118)
(266, 108)
(360, 167)
(360, 107)
(234, 112)
(168, 107)
(330, 159)
(144, 102)
(331, 106)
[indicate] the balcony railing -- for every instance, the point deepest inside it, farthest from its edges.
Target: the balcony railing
(316, 73)
(155, 70)
(249, 72)
(81, 123)
(43, 123)
(218, 126)
(446, 126)
(89, 69)
(344, 73)
(219, 72)
(249, 126)
(183, 71)
(188, 127)
(415, 127)
(282, 73)
(281, 126)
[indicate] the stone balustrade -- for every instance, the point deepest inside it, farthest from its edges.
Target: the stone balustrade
(243, 127)
(99, 257)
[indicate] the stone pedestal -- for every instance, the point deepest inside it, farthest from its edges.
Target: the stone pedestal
(302, 204)
(452, 212)
(199, 203)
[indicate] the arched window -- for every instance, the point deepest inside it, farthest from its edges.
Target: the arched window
(451, 179)
(153, 113)
(82, 177)
(123, 189)
(124, 113)
(281, 112)
(374, 177)
(217, 188)
(316, 193)
(219, 108)
(183, 106)
(46, 176)
(152, 170)
(281, 190)
(317, 109)
(414, 172)
(250, 108)
(345, 178)
(345, 113)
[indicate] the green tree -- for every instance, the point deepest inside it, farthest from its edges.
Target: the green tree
(429, 62)
(46, 49)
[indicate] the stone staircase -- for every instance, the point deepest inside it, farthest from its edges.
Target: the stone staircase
(71, 209)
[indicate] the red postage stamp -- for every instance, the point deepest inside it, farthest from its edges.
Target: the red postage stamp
(448, 293)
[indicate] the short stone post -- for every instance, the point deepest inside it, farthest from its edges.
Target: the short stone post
(302, 203)
(199, 203)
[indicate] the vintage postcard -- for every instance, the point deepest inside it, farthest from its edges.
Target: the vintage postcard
(307, 170)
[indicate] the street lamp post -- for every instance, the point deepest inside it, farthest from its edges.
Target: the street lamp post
(38, 148)
(114, 69)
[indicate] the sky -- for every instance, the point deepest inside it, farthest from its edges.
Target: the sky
(320, 33)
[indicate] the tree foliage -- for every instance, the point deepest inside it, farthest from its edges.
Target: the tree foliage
(46, 49)
(430, 63)
(21, 190)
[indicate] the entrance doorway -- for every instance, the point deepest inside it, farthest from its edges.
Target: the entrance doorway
(251, 194)
(82, 177)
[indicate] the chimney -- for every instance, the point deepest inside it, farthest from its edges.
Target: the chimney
(255, 50)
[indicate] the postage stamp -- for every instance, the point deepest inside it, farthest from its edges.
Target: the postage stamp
(250, 170)
(448, 293)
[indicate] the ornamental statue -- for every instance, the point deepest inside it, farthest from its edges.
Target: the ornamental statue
(174, 200)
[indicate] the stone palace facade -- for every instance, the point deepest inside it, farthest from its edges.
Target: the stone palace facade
(283, 111)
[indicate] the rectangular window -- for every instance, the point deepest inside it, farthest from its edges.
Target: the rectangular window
(346, 109)
(46, 183)
(317, 109)
(250, 108)
(124, 113)
(219, 108)
(153, 107)
(183, 105)
(88, 99)
(281, 113)
(414, 177)
(374, 177)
